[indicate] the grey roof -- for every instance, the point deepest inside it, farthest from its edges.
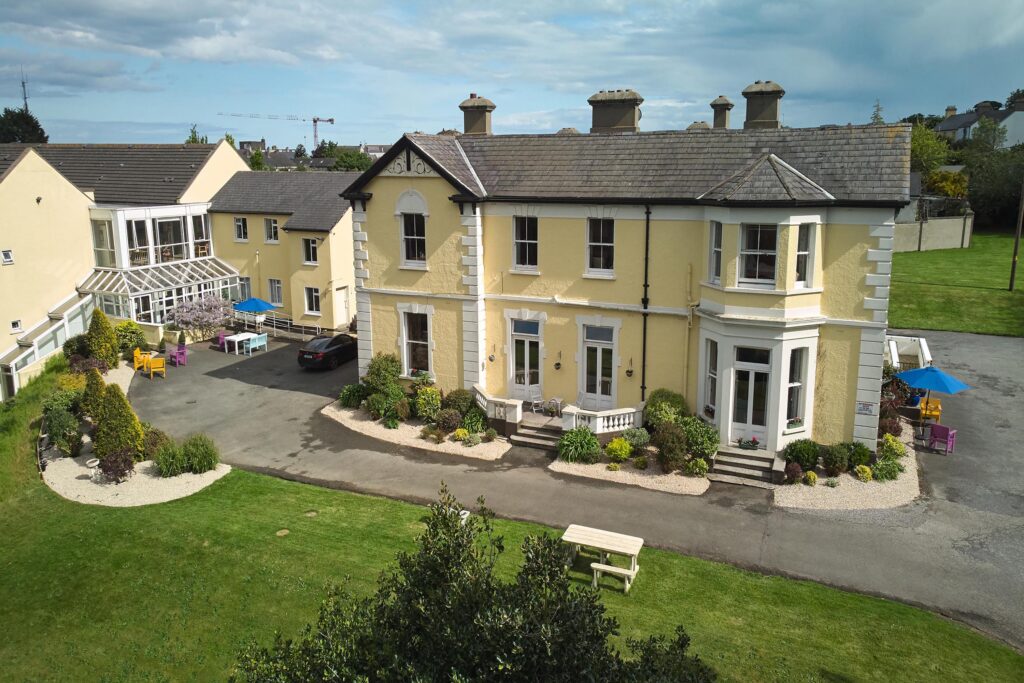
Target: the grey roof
(767, 179)
(122, 174)
(450, 155)
(968, 119)
(310, 199)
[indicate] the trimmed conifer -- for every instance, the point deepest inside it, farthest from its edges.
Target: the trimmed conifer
(92, 398)
(118, 428)
(100, 340)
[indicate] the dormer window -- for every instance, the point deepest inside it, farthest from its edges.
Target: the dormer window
(757, 256)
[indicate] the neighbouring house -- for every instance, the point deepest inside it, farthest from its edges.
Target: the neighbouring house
(747, 269)
(289, 236)
(121, 227)
(960, 127)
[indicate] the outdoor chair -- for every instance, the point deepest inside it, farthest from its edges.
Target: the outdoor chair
(942, 436)
(157, 365)
(141, 359)
(178, 356)
(257, 342)
(220, 340)
(536, 399)
(931, 409)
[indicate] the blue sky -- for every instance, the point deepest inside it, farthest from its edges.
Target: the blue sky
(132, 71)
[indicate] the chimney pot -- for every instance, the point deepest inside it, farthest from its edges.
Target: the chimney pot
(763, 99)
(950, 111)
(721, 106)
(476, 113)
(616, 111)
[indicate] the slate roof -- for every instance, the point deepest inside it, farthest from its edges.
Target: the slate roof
(312, 200)
(855, 165)
(968, 119)
(121, 174)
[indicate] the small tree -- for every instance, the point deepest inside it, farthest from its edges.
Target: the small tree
(100, 340)
(230, 139)
(300, 151)
(257, 162)
(20, 125)
(194, 138)
(948, 184)
(201, 317)
(928, 150)
(92, 398)
(119, 429)
(351, 160)
(876, 114)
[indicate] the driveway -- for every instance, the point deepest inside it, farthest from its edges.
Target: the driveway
(958, 550)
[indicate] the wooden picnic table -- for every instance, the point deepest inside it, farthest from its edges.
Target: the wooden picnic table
(605, 542)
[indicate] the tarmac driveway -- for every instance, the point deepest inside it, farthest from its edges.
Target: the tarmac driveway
(958, 550)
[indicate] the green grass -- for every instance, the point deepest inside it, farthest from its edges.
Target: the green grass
(962, 290)
(171, 591)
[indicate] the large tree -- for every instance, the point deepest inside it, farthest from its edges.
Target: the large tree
(443, 615)
(351, 160)
(300, 151)
(928, 150)
(20, 125)
(1019, 92)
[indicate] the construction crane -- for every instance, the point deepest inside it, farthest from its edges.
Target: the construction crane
(317, 120)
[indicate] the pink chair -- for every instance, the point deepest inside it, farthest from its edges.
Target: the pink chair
(942, 436)
(220, 340)
(178, 356)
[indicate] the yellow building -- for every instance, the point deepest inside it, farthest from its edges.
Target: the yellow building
(122, 227)
(289, 235)
(747, 269)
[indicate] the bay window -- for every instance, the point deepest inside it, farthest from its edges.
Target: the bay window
(795, 390)
(711, 380)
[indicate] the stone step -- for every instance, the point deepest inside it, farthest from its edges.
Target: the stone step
(540, 432)
(743, 472)
(544, 444)
(747, 453)
(742, 481)
(738, 461)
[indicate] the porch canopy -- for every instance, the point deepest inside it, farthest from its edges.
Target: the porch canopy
(151, 279)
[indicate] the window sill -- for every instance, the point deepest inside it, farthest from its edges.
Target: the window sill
(794, 430)
(311, 263)
(599, 275)
(314, 314)
(414, 266)
(523, 271)
(271, 241)
(241, 241)
(761, 289)
(409, 377)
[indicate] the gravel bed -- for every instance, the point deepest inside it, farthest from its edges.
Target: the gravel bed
(408, 434)
(651, 478)
(853, 494)
(122, 376)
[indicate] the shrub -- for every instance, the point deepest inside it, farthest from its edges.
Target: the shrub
(638, 437)
(886, 469)
(75, 346)
(448, 420)
(618, 449)
(862, 472)
(670, 440)
(666, 396)
(130, 337)
(475, 420)
(890, 425)
(697, 467)
(390, 422)
(118, 465)
(702, 439)
(460, 400)
(82, 364)
(810, 478)
(384, 404)
(421, 380)
(579, 445)
(661, 413)
(62, 399)
(92, 397)
(460, 434)
(402, 410)
(836, 459)
(613, 467)
(169, 459)
(471, 440)
(353, 395)
(118, 428)
(152, 440)
(428, 403)
(71, 381)
(794, 472)
(640, 462)
(100, 340)
(805, 452)
(490, 435)
(831, 482)
(62, 428)
(859, 454)
(383, 371)
(891, 447)
(200, 453)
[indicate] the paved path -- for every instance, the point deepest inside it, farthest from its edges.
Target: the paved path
(957, 551)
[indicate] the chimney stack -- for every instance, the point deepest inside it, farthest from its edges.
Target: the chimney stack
(477, 114)
(616, 111)
(721, 106)
(986, 106)
(763, 99)
(950, 111)
(1018, 103)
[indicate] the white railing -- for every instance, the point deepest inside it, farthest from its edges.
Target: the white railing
(602, 421)
(502, 409)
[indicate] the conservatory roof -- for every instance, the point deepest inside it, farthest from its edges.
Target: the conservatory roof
(136, 281)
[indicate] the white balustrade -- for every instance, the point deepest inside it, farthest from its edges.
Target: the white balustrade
(602, 421)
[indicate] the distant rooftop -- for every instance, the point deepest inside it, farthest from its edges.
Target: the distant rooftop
(310, 199)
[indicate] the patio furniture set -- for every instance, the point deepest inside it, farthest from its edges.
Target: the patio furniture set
(938, 437)
(242, 342)
(606, 543)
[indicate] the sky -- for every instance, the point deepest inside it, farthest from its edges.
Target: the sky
(133, 71)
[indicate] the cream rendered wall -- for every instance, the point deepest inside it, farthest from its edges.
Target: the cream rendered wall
(845, 263)
(836, 383)
(51, 240)
(222, 163)
(337, 249)
(445, 334)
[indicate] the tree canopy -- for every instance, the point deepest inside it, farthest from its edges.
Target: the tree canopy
(1019, 92)
(257, 162)
(926, 120)
(194, 138)
(443, 615)
(300, 151)
(345, 158)
(20, 125)
(928, 149)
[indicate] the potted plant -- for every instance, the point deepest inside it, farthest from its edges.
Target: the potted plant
(751, 444)
(794, 423)
(181, 338)
(709, 411)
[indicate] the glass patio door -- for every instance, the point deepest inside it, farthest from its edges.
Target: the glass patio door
(525, 359)
(750, 394)
(598, 391)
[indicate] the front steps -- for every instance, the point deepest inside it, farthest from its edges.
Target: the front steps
(543, 438)
(741, 466)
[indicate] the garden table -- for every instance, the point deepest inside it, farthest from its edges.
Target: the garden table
(605, 542)
(237, 340)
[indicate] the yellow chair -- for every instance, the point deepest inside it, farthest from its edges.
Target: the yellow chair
(141, 359)
(157, 365)
(931, 408)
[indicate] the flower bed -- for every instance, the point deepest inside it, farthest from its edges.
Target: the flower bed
(651, 478)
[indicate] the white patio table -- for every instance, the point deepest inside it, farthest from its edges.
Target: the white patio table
(237, 340)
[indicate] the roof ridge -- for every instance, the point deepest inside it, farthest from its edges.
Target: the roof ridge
(778, 174)
(800, 174)
(469, 165)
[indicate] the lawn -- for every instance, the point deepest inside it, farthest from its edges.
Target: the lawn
(170, 592)
(962, 290)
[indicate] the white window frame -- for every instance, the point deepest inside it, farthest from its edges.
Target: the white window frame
(411, 202)
(271, 231)
(606, 273)
(711, 374)
(204, 236)
(241, 229)
(111, 249)
(526, 315)
(273, 284)
(759, 283)
(715, 253)
(309, 248)
(403, 339)
(808, 255)
(407, 262)
(306, 300)
(133, 242)
(16, 326)
(798, 384)
(582, 322)
(525, 267)
(244, 288)
(181, 247)
(7, 256)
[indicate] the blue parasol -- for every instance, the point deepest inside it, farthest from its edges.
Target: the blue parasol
(254, 305)
(932, 379)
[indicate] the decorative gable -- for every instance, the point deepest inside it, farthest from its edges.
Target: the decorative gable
(409, 164)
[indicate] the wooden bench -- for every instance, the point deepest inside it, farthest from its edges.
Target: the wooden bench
(627, 575)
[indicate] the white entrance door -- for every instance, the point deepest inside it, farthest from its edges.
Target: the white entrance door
(750, 394)
(526, 359)
(598, 390)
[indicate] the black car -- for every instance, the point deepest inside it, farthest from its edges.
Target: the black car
(327, 352)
